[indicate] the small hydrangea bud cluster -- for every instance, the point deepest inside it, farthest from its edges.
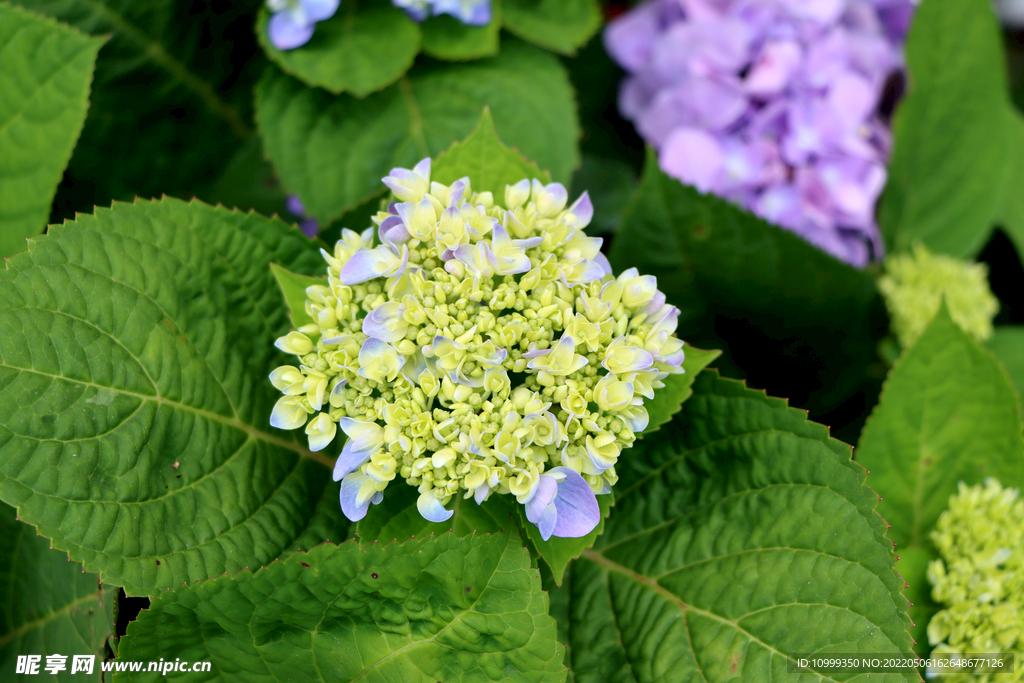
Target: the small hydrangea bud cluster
(470, 12)
(294, 21)
(772, 104)
(482, 347)
(980, 578)
(914, 286)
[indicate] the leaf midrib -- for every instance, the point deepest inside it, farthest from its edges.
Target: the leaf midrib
(154, 51)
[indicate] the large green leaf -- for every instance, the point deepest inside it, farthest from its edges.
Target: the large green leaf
(45, 71)
(559, 25)
(49, 605)
(796, 311)
(1008, 346)
(947, 414)
(458, 610)
(957, 139)
(171, 99)
(134, 403)
(333, 150)
(489, 164)
(354, 51)
(741, 536)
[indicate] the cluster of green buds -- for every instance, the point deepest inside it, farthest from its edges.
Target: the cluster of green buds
(482, 347)
(914, 286)
(980, 578)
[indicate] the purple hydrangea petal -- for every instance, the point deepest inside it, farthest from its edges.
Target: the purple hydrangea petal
(294, 206)
(543, 495)
(430, 508)
(318, 10)
(694, 157)
(349, 492)
(578, 511)
(285, 34)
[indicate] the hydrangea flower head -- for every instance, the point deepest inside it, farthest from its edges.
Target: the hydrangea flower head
(294, 21)
(470, 12)
(914, 286)
(980, 577)
(482, 347)
(772, 104)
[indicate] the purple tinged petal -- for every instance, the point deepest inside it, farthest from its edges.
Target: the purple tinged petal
(578, 511)
(630, 37)
(583, 209)
(350, 460)
(481, 493)
(543, 495)
(602, 260)
(294, 206)
(349, 494)
(318, 10)
(693, 156)
(392, 231)
(359, 268)
(422, 169)
(430, 508)
(285, 34)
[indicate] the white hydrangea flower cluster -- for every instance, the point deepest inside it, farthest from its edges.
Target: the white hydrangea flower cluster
(481, 347)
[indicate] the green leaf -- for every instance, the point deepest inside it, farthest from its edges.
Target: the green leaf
(486, 160)
(957, 139)
(611, 184)
(328, 523)
(333, 150)
(669, 399)
(557, 552)
(397, 519)
(734, 276)
(458, 610)
(947, 414)
(293, 289)
(169, 106)
(740, 536)
(559, 25)
(354, 51)
(135, 346)
(248, 182)
(1007, 343)
(45, 71)
(50, 605)
(445, 37)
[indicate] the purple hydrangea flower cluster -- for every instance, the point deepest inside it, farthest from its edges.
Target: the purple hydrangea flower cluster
(772, 104)
(470, 12)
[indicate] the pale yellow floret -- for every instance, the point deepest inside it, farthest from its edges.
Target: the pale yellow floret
(980, 578)
(914, 286)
